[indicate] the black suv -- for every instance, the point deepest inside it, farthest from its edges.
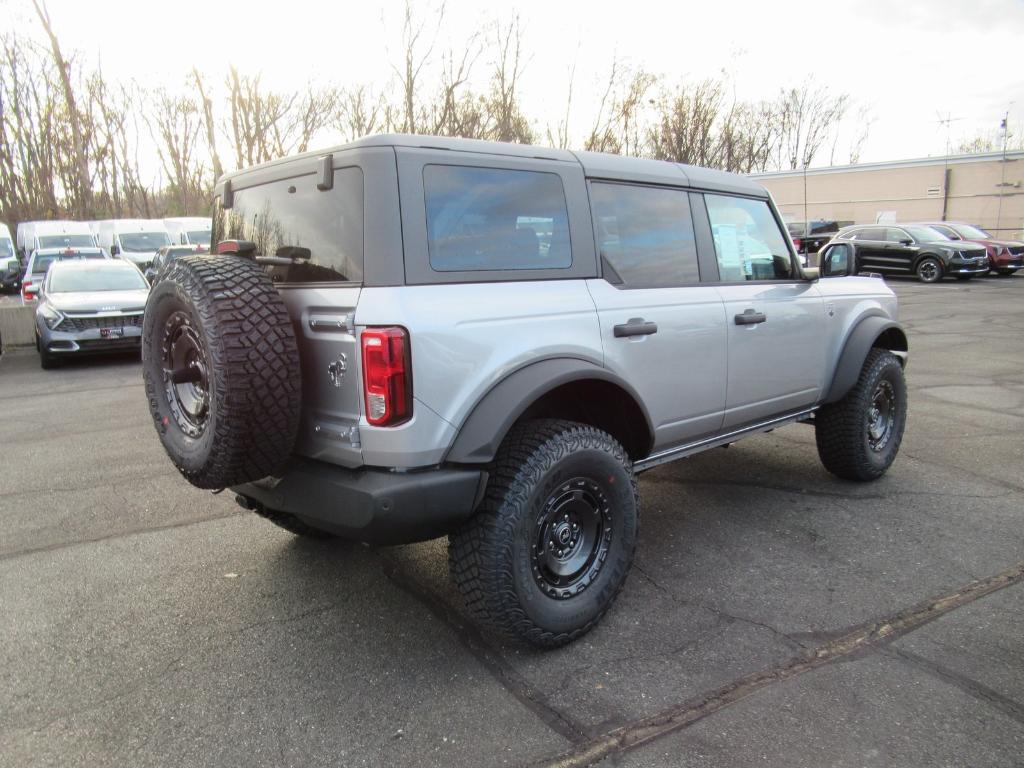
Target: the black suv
(913, 249)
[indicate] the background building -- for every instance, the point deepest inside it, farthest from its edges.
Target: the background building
(983, 189)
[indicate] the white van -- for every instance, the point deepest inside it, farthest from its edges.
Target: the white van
(190, 230)
(10, 266)
(135, 240)
(53, 234)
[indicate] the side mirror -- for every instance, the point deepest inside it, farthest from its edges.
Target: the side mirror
(115, 249)
(906, 241)
(835, 260)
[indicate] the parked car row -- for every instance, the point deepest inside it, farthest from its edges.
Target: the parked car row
(134, 240)
(928, 250)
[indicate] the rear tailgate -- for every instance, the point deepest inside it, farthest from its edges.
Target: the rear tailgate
(323, 318)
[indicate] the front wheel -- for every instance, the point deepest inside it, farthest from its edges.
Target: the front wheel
(859, 436)
(546, 555)
(929, 270)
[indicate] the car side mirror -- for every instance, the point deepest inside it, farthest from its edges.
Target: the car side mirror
(835, 260)
(115, 249)
(906, 241)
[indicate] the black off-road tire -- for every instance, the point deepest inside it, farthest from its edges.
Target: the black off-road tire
(245, 346)
(929, 270)
(843, 429)
(493, 557)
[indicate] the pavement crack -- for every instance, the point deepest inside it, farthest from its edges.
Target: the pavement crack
(866, 636)
(117, 535)
(1006, 705)
(491, 659)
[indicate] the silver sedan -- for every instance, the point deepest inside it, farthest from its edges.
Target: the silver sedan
(89, 307)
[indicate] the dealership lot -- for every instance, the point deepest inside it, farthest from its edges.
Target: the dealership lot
(775, 615)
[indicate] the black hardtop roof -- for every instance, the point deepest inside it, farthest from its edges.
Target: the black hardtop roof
(595, 164)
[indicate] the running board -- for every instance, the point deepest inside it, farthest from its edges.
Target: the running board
(682, 451)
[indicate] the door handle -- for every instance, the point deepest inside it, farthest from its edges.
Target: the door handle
(636, 326)
(750, 317)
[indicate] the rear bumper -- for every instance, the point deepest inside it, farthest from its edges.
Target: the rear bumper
(371, 505)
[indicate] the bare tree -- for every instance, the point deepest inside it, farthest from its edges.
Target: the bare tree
(807, 115)
(83, 183)
(208, 124)
(619, 123)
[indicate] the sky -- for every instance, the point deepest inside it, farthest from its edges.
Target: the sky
(908, 63)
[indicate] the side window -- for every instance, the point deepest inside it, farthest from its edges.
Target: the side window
(894, 235)
(644, 235)
(836, 260)
(482, 219)
(748, 242)
(872, 233)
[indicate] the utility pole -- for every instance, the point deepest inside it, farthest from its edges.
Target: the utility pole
(945, 168)
(1002, 173)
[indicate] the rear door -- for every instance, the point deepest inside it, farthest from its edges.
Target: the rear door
(661, 329)
(873, 250)
(773, 317)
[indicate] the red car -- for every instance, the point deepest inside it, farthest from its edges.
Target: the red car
(1004, 256)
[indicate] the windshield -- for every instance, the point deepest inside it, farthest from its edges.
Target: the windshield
(66, 241)
(971, 233)
(42, 263)
(925, 234)
(199, 237)
(96, 279)
(6, 249)
(142, 242)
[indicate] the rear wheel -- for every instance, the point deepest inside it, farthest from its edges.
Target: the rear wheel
(929, 270)
(859, 436)
(545, 557)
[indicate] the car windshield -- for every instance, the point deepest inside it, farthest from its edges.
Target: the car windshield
(87, 280)
(65, 241)
(199, 237)
(142, 242)
(971, 233)
(6, 249)
(42, 263)
(925, 234)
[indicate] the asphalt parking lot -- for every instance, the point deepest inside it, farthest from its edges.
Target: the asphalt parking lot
(775, 615)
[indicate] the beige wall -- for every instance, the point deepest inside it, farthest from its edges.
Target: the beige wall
(861, 195)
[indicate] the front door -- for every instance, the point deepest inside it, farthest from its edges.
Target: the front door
(773, 317)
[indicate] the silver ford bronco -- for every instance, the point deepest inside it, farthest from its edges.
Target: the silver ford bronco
(408, 337)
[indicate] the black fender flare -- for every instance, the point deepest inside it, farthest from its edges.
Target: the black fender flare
(855, 351)
(494, 414)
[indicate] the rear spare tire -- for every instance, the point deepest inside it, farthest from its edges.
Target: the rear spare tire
(221, 369)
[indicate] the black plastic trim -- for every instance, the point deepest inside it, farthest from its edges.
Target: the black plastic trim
(858, 344)
(372, 505)
(495, 413)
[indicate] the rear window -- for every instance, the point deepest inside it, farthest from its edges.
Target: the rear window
(302, 234)
(485, 219)
(199, 237)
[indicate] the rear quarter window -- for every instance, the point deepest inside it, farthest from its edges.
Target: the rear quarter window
(302, 234)
(486, 219)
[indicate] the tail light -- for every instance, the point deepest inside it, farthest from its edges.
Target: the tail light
(387, 376)
(25, 295)
(798, 243)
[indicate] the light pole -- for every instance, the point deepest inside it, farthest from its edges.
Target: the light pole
(1002, 172)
